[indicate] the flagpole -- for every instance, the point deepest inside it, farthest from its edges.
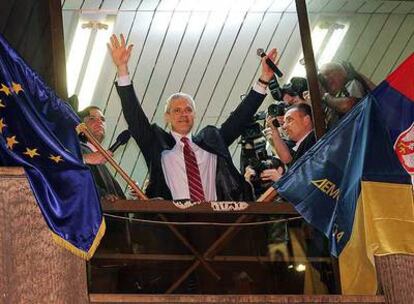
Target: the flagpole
(81, 128)
(267, 196)
(311, 69)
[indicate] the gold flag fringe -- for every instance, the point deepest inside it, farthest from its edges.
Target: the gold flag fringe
(76, 251)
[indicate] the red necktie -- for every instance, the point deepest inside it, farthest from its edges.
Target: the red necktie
(193, 173)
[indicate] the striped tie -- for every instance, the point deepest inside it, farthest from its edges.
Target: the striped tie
(193, 173)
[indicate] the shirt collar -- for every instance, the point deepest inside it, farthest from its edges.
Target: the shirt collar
(92, 147)
(178, 136)
(295, 148)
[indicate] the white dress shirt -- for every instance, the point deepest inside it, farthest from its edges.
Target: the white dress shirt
(173, 167)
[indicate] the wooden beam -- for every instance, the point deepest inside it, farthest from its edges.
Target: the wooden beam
(58, 60)
(145, 298)
(161, 206)
(311, 70)
(153, 257)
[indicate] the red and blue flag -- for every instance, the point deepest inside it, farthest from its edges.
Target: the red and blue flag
(355, 185)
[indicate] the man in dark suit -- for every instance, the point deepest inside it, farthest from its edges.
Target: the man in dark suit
(107, 186)
(165, 152)
(299, 128)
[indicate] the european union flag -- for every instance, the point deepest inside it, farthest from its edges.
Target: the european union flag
(37, 132)
(355, 188)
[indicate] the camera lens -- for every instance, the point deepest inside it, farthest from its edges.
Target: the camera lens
(276, 109)
(275, 123)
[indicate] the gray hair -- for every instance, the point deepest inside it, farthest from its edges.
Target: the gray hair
(176, 96)
(333, 66)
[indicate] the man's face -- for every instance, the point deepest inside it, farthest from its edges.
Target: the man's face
(296, 124)
(181, 116)
(95, 122)
(335, 80)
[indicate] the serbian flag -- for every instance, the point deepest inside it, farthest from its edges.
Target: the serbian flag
(355, 186)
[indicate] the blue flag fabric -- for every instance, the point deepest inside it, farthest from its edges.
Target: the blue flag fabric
(37, 132)
(352, 186)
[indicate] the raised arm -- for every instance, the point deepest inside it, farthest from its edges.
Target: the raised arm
(282, 150)
(234, 125)
(135, 117)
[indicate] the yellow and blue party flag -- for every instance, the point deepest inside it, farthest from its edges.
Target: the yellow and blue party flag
(355, 186)
(37, 132)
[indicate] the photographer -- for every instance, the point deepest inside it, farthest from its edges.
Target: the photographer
(260, 168)
(276, 110)
(299, 127)
(344, 87)
(285, 96)
(292, 92)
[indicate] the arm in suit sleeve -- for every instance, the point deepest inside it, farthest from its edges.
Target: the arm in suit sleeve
(135, 117)
(232, 128)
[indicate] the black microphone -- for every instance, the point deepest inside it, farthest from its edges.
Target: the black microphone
(275, 69)
(122, 139)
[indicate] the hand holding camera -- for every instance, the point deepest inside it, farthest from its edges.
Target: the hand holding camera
(273, 174)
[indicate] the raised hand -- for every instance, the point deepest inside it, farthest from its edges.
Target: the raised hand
(120, 53)
(267, 72)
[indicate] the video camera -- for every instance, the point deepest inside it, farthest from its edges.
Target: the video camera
(295, 87)
(254, 153)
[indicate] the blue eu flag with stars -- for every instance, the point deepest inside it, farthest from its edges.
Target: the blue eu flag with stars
(38, 133)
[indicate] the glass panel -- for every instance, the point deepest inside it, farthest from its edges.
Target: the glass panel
(273, 258)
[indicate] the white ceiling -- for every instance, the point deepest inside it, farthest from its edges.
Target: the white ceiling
(208, 49)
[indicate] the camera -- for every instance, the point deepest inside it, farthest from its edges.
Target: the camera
(254, 153)
(253, 142)
(259, 166)
(275, 110)
(254, 129)
(275, 89)
(295, 87)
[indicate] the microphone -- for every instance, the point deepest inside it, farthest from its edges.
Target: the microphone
(122, 139)
(275, 69)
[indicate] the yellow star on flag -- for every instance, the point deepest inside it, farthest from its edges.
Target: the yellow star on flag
(2, 105)
(11, 141)
(2, 125)
(56, 158)
(31, 152)
(5, 89)
(16, 87)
